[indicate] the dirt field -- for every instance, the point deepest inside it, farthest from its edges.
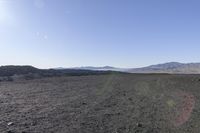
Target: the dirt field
(102, 104)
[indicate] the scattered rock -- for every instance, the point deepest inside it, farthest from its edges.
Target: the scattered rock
(33, 123)
(130, 99)
(10, 123)
(84, 103)
(10, 131)
(139, 125)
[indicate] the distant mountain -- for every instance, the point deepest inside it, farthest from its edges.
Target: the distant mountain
(104, 68)
(171, 67)
(97, 68)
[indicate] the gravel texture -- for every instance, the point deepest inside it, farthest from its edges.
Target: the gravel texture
(119, 103)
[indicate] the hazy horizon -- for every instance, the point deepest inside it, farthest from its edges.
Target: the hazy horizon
(118, 33)
(63, 67)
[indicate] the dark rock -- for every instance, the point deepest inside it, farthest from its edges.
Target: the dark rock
(130, 99)
(10, 131)
(139, 125)
(83, 103)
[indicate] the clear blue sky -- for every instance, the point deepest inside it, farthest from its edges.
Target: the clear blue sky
(121, 33)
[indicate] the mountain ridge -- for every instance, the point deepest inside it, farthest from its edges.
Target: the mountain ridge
(168, 67)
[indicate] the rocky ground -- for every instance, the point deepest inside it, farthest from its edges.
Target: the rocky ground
(118, 103)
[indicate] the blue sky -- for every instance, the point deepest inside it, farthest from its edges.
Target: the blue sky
(121, 33)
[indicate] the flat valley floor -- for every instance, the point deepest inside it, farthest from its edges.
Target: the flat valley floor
(118, 103)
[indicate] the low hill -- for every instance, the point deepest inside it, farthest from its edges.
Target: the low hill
(17, 70)
(8, 73)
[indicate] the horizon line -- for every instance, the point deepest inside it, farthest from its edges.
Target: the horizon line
(82, 66)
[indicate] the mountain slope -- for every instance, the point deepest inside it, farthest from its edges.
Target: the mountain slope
(171, 67)
(10, 73)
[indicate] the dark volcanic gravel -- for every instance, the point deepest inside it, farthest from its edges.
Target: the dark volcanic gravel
(119, 103)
